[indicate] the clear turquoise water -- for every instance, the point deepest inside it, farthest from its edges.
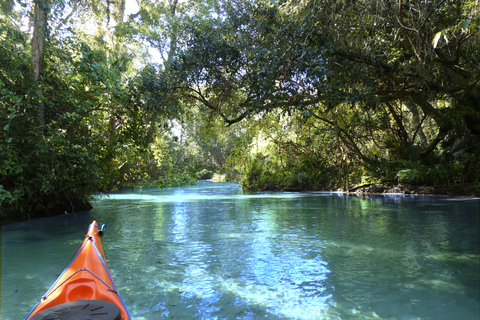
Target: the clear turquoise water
(213, 252)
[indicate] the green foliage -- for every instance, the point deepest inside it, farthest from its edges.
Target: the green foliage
(322, 94)
(91, 130)
(383, 97)
(469, 168)
(442, 174)
(415, 174)
(286, 155)
(164, 182)
(220, 178)
(259, 172)
(204, 174)
(254, 175)
(229, 174)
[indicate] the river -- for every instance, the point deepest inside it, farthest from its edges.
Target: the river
(212, 251)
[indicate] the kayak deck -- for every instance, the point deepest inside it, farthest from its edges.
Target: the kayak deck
(86, 283)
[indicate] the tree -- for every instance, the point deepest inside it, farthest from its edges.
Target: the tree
(338, 62)
(405, 65)
(91, 129)
(40, 16)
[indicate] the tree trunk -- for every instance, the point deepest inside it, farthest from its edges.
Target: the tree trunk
(422, 139)
(173, 37)
(444, 124)
(38, 51)
(118, 11)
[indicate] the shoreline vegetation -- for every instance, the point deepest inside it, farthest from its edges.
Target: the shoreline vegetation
(67, 207)
(359, 191)
(371, 189)
(413, 190)
(379, 188)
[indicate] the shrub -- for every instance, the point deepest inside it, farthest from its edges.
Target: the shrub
(204, 174)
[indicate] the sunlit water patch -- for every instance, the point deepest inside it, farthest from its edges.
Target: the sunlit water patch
(213, 252)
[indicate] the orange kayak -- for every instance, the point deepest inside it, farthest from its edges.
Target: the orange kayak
(85, 289)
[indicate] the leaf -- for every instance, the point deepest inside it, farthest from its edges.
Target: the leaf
(436, 39)
(466, 24)
(445, 35)
(7, 127)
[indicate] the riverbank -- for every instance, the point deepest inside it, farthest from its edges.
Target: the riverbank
(363, 190)
(379, 188)
(67, 205)
(413, 190)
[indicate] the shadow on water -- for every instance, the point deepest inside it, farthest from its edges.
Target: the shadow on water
(214, 252)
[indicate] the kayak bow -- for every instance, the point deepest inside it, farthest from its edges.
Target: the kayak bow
(85, 289)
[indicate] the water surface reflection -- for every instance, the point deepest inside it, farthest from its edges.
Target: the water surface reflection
(213, 252)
